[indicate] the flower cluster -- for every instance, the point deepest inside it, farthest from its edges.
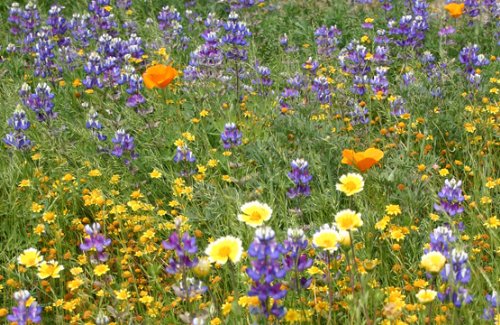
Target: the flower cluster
(301, 178)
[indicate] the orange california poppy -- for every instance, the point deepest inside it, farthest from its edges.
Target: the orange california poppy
(455, 9)
(363, 160)
(159, 76)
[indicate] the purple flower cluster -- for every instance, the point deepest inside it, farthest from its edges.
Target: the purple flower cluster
(25, 23)
(22, 314)
(169, 23)
(291, 92)
(353, 60)
(263, 77)
(450, 198)
(398, 107)
(489, 312)
(359, 115)
(95, 241)
(17, 139)
(95, 126)
(410, 30)
(185, 157)
(231, 136)
(101, 19)
(296, 259)
(327, 40)
(184, 248)
(205, 62)
(441, 238)
(470, 57)
(40, 102)
(266, 271)
(300, 177)
(124, 143)
(457, 273)
(322, 89)
(236, 37)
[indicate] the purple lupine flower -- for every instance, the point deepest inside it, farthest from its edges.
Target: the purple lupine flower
(441, 238)
(264, 76)
(359, 115)
(408, 78)
(472, 8)
(184, 154)
(22, 314)
(135, 85)
(240, 4)
(45, 65)
(169, 23)
(327, 40)
(56, 21)
(386, 4)
(80, 29)
(310, 66)
(296, 260)
(93, 69)
(285, 45)
(189, 289)
(124, 4)
(19, 123)
(184, 248)
(95, 126)
(450, 198)
(322, 89)
(124, 143)
(40, 102)
(236, 37)
(398, 107)
(410, 30)
(457, 269)
(381, 37)
(470, 57)
(266, 272)
(14, 19)
(300, 177)
(102, 20)
(95, 240)
(379, 82)
(231, 136)
(489, 312)
(205, 62)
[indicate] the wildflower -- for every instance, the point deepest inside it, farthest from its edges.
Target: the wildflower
(326, 238)
(489, 312)
(425, 296)
(348, 220)
(451, 198)
(49, 269)
(350, 184)
(155, 174)
(266, 270)
(433, 262)
(19, 123)
(202, 269)
(95, 240)
(231, 136)
(184, 247)
(455, 9)
(122, 294)
(492, 223)
(255, 213)
(296, 260)
(301, 178)
(363, 160)
(101, 269)
(159, 76)
(224, 249)
(24, 312)
(30, 257)
(393, 210)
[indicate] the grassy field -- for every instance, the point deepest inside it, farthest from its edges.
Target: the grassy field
(249, 162)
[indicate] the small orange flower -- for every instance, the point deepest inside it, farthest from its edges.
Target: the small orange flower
(455, 9)
(159, 76)
(363, 160)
